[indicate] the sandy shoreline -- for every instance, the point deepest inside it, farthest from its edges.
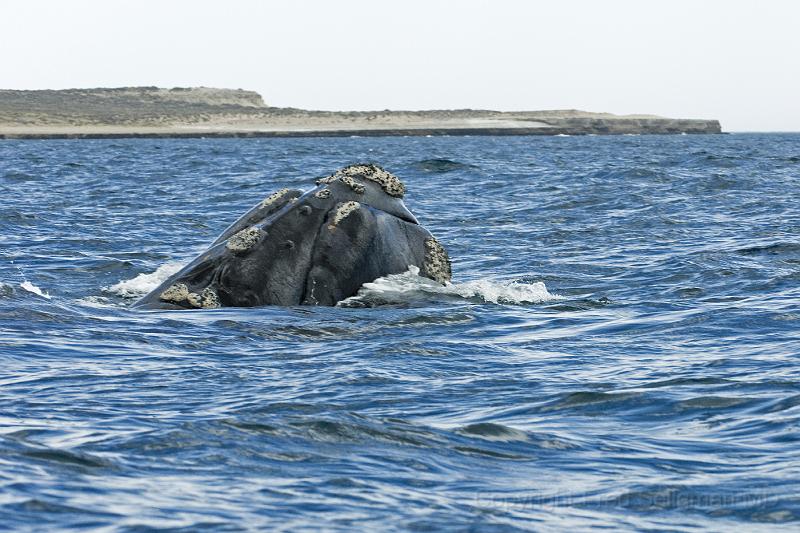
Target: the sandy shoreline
(358, 128)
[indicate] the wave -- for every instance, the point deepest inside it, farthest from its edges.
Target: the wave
(100, 302)
(440, 166)
(30, 287)
(410, 286)
(6, 290)
(774, 248)
(144, 283)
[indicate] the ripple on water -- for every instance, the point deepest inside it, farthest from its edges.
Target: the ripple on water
(618, 347)
(440, 166)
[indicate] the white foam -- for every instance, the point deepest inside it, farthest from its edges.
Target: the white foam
(98, 302)
(144, 283)
(30, 287)
(397, 288)
(513, 292)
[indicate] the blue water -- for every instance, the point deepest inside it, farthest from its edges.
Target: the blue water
(620, 347)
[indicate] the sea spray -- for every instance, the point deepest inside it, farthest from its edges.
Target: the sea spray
(409, 286)
(144, 282)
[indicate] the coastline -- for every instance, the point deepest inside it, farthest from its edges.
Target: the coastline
(346, 126)
(419, 132)
(151, 112)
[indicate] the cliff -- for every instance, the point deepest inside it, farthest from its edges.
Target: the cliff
(202, 111)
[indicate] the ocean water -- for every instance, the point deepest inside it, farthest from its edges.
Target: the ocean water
(619, 349)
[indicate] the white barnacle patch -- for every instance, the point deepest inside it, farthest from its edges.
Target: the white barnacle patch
(273, 198)
(178, 292)
(327, 180)
(243, 240)
(343, 211)
(437, 263)
(209, 299)
(195, 300)
(357, 187)
(324, 193)
(390, 183)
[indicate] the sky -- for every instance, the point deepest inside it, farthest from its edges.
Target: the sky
(736, 61)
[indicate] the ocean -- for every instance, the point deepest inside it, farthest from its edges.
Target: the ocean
(619, 348)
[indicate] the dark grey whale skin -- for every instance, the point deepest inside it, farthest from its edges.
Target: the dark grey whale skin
(298, 249)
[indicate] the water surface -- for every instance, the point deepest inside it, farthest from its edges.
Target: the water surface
(620, 347)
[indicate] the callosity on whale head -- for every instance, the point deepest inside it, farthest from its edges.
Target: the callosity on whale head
(312, 248)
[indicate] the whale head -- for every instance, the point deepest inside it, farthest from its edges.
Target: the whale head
(312, 248)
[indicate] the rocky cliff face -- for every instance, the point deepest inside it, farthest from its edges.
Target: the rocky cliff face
(621, 125)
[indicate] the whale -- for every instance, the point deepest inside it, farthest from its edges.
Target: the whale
(309, 248)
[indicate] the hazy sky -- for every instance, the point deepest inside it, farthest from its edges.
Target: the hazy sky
(732, 60)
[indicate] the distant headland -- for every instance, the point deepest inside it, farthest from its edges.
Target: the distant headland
(209, 112)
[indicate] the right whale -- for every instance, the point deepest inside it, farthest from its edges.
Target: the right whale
(313, 248)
